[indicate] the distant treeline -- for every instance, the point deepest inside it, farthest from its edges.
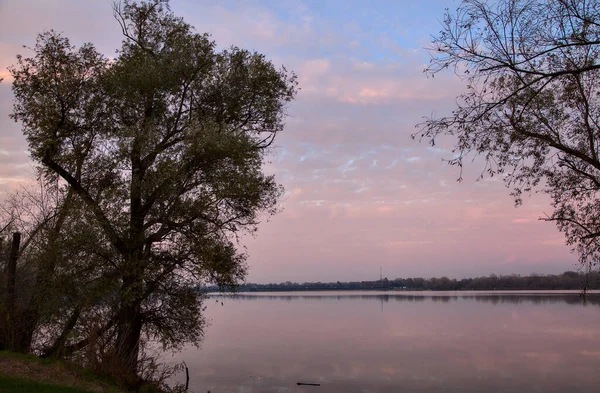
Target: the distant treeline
(567, 280)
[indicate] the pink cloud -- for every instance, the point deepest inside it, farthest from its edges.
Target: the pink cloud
(360, 192)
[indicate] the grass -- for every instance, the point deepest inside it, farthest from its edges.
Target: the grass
(28, 373)
(22, 385)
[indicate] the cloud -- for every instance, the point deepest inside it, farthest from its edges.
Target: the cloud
(360, 191)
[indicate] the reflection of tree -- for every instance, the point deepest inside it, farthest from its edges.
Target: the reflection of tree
(499, 298)
(443, 299)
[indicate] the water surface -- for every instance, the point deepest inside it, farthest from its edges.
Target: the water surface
(399, 342)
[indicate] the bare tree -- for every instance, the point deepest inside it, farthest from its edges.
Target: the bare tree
(532, 103)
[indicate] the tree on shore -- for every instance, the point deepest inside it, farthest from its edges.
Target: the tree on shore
(163, 148)
(49, 269)
(532, 103)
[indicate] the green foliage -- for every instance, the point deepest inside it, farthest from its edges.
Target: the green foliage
(158, 155)
(27, 358)
(532, 103)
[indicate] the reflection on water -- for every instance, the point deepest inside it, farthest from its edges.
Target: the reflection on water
(572, 297)
(399, 342)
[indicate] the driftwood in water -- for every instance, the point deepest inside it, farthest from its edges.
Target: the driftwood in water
(308, 384)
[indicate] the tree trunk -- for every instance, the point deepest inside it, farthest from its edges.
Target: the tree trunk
(58, 348)
(129, 331)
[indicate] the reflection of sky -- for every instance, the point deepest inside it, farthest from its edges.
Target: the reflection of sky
(360, 193)
(349, 344)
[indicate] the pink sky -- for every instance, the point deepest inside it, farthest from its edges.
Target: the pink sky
(360, 193)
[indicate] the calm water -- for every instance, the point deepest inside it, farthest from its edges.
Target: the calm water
(399, 342)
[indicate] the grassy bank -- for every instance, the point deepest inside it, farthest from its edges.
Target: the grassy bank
(26, 373)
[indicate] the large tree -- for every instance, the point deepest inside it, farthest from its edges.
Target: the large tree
(164, 146)
(532, 103)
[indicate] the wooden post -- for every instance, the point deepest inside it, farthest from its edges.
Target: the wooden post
(187, 378)
(2, 256)
(11, 272)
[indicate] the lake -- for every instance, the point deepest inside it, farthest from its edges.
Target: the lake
(398, 342)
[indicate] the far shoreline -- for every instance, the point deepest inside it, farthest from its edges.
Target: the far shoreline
(567, 281)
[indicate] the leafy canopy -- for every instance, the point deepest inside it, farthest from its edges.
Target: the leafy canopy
(164, 146)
